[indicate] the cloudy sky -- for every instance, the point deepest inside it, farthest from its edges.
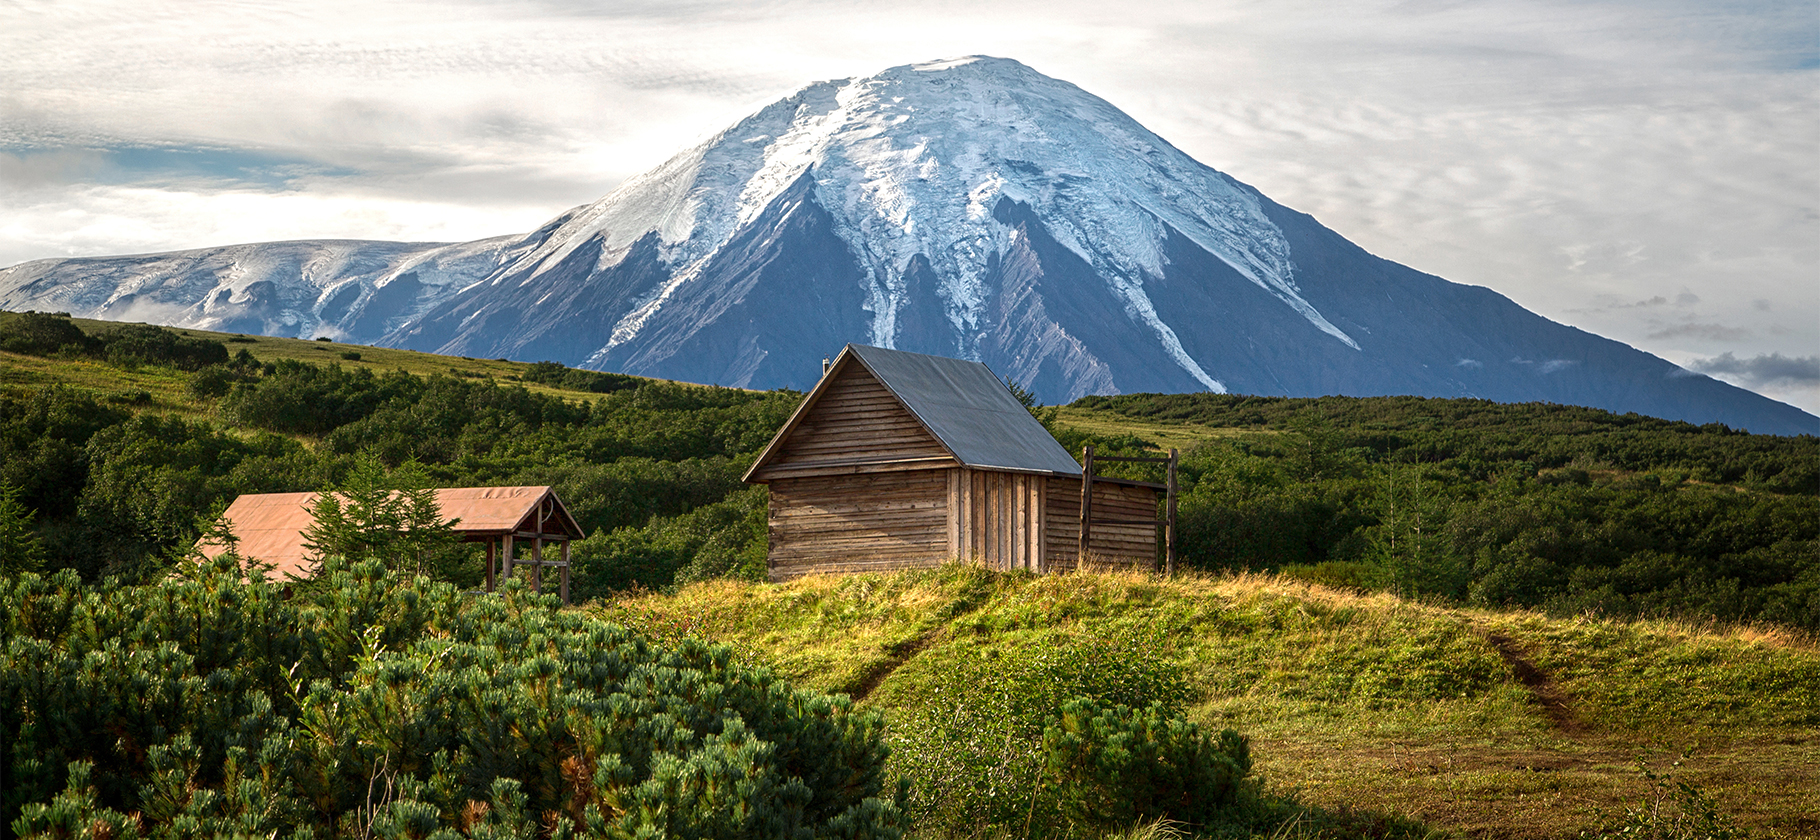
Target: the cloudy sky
(1648, 170)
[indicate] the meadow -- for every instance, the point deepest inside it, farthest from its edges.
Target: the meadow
(1364, 706)
(1428, 617)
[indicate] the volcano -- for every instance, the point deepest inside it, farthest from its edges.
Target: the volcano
(971, 208)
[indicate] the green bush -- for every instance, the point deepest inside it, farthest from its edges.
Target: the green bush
(1115, 766)
(41, 334)
(378, 704)
(131, 345)
(973, 748)
(1563, 509)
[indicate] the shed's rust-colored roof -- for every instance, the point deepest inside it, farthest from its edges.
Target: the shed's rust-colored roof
(271, 525)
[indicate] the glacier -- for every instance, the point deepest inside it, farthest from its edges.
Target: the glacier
(911, 161)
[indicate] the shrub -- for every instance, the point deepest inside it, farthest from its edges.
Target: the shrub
(1114, 765)
(973, 751)
(377, 704)
(41, 334)
(130, 345)
(212, 382)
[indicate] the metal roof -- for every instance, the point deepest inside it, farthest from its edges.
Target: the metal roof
(962, 403)
(270, 526)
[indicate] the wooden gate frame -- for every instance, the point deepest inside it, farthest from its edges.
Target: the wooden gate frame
(1167, 520)
(501, 559)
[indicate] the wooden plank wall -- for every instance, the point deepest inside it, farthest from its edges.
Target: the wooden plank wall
(999, 519)
(858, 523)
(1117, 545)
(856, 421)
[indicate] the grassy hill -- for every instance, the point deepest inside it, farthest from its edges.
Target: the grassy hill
(166, 388)
(1492, 723)
(1355, 609)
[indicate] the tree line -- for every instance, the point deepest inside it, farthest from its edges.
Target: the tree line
(1553, 507)
(1565, 509)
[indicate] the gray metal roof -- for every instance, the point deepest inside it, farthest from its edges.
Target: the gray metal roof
(968, 409)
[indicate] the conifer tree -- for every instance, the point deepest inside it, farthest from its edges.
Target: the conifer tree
(20, 549)
(374, 514)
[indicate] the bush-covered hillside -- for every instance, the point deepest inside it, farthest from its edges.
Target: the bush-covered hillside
(1565, 509)
(142, 695)
(372, 704)
(116, 485)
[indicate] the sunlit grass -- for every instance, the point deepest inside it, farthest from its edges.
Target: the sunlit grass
(166, 389)
(1353, 700)
(1162, 435)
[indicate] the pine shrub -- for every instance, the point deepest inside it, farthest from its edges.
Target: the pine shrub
(377, 704)
(973, 745)
(1116, 766)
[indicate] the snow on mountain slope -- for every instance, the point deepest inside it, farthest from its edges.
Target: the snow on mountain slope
(971, 207)
(910, 163)
(347, 289)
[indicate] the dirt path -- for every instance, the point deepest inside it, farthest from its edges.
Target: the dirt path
(895, 657)
(1542, 688)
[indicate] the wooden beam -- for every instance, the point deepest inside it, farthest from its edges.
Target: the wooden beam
(1169, 506)
(565, 573)
(491, 559)
(1086, 504)
(537, 554)
(831, 464)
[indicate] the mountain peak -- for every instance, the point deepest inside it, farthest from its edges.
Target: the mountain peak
(911, 163)
(969, 207)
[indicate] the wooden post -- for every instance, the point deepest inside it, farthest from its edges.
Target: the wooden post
(491, 559)
(537, 554)
(1086, 506)
(1169, 533)
(506, 550)
(565, 573)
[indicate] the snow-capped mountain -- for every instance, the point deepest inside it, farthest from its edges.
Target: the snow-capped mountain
(352, 289)
(970, 207)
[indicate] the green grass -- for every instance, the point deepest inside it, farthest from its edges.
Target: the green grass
(1351, 700)
(158, 389)
(1163, 434)
(168, 388)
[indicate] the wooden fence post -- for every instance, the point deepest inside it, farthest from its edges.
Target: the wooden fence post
(1086, 505)
(1169, 534)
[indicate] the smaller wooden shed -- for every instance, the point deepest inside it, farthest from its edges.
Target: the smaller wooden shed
(902, 460)
(517, 524)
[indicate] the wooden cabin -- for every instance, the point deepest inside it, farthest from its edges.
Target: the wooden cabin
(519, 525)
(901, 460)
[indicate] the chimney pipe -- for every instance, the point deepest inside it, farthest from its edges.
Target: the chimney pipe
(826, 364)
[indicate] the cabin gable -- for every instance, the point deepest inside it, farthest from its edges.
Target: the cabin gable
(854, 425)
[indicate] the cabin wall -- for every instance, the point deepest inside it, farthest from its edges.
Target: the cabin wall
(858, 523)
(857, 424)
(1115, 545)
(999, 518)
